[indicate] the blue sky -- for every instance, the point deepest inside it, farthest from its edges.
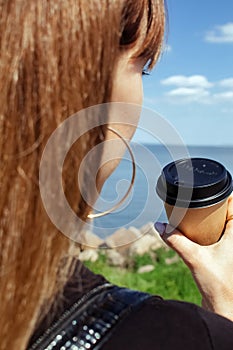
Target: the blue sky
(192, 85)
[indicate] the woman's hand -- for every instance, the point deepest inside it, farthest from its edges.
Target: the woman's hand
(211, 266)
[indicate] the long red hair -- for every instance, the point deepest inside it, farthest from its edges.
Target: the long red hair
(56, 58)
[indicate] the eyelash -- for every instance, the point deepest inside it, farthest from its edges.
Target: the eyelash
(145, 72)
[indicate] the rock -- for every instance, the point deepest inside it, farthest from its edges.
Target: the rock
(122, 237)
(146, 268)
(135, 231)
(115, 258)
(91, 240)
(145, 244)
(148, 229)
(173, 260)
(89, 255)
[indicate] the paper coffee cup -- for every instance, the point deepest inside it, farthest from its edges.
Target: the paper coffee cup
(195, 192)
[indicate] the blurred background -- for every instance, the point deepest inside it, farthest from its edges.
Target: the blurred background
(192, 85)
(191, 88)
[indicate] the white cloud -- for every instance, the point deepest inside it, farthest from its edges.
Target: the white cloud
(185, 94)
(167, 48)
(195, 81)
(220, 34)
(224, 96)
(197, 89)
(227, 83)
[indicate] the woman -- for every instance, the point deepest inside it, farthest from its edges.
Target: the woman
(57, 58)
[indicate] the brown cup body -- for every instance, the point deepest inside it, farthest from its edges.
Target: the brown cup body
(203, 225)
(195, 193)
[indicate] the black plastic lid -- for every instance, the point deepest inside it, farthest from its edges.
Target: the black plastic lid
(194, 183)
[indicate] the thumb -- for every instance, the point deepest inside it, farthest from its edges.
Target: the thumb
(186, 248)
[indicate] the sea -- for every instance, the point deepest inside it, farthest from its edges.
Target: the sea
(143, 205)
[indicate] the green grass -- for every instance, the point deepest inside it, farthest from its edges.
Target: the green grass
(169, 281)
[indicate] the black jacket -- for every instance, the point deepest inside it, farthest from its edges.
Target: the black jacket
(153, 324)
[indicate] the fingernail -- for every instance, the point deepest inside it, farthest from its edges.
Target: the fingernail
(160, 227)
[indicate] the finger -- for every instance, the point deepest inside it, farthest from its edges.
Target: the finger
(228, 233)
(188, 250)
(229, 220)
(230, 208)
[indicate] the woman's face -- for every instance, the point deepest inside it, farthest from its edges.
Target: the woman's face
(128, 89)
(127, 80)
